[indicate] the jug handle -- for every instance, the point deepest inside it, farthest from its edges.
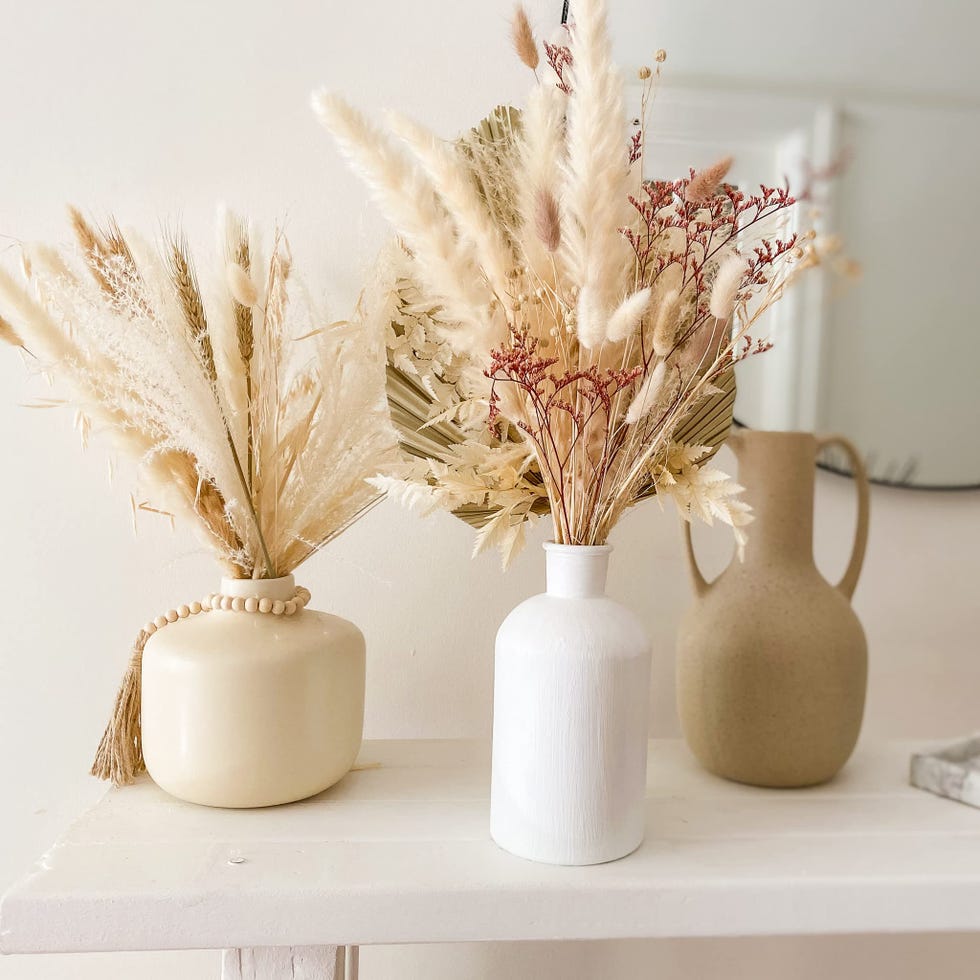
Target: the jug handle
(849, 582)
(701, 585)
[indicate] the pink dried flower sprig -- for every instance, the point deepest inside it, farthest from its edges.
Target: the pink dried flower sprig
(706, 231)
(518, 362)
(560, 59)
(583, 398)
(707, 226)
(635, 148)
(751, 347)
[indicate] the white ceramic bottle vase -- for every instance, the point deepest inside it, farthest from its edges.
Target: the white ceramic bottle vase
(251, 709)
(572, 675)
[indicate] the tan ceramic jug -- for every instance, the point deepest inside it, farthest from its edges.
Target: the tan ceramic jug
(772, 660)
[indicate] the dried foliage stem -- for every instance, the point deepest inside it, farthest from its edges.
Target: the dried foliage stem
(245, 333)
(189, 294)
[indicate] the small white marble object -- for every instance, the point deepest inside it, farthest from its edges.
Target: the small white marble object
(951, 770)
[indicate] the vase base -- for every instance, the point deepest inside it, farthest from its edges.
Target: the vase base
(240, 802)
(786, 765)
(566, 857)
(774, 782)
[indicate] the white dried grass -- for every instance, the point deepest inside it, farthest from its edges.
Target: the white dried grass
(115, 331)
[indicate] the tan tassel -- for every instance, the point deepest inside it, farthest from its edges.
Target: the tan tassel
(120, 753)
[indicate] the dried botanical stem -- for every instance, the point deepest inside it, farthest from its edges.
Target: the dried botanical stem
(410, 198)
(116, 250)
(705, 183)
(446, 170)
(245, 330)
(523, 39)
(115, 242)
(93, 248)
(159, 403)
(8, 335)
(185, 283)
(547, 220)
(205, 499)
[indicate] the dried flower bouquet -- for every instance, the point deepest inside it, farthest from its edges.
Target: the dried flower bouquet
(560, 329)
(248, 413)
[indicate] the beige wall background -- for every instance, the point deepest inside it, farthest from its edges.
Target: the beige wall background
(161, 109)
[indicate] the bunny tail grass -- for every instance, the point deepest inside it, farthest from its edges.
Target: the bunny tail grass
(120, 754)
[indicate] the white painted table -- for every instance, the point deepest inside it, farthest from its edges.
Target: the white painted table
(399, 853)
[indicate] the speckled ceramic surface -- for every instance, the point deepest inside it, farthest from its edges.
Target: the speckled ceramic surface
(772, 661)
(952, 770)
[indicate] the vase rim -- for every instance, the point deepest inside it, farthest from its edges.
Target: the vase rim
(577, 549)
(282, 587)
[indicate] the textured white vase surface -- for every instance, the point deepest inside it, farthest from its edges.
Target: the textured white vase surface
(250, 709)
(571, 682)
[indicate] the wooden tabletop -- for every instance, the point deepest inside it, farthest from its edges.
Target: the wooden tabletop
(399, 852)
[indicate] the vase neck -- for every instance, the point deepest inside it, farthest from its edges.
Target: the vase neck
(577, 571)
(283, 588)
(778, 472)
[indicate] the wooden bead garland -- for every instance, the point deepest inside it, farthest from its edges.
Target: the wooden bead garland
(227, 603)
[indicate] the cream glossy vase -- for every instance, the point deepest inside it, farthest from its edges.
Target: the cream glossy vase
(571, 683)
(250, 709)
(772, 661)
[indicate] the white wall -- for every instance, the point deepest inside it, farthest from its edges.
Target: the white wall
(161, 109)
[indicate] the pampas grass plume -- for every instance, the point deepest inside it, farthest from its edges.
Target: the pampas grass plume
(627, 316)
(701, 349)
(724, 292)
(704, 184)
(665, 326)
(647, 395)
(240, 285)
(523, 38)
(413, 206)
(589, 326)
(596, 189)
